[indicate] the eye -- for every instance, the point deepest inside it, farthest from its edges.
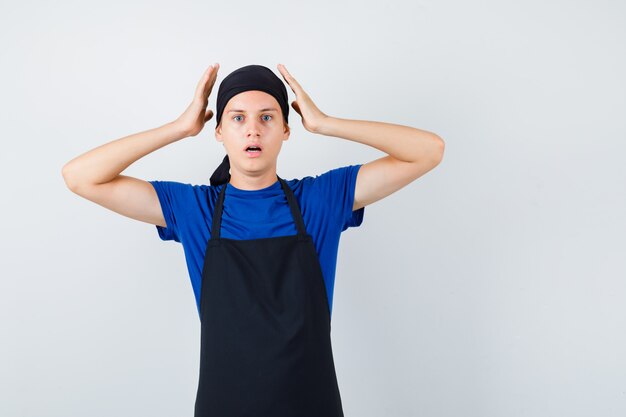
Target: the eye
(237, 116)
(267, 116)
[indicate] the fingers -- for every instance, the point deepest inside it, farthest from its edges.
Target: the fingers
(205, 85)
(212, 78)
(205, 77)
(289, 79)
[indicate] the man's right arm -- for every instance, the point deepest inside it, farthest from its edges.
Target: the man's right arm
(95, 175)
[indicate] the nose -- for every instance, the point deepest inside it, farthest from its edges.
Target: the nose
(253, 128)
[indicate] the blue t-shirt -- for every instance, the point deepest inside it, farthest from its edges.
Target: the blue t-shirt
(325, 202)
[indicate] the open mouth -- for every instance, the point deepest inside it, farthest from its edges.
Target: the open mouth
(253, 150)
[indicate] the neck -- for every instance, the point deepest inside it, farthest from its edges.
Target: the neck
(251, 183)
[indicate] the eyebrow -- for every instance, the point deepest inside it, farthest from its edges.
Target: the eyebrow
(243, 111)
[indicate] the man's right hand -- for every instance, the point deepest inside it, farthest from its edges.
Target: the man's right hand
(195, 116)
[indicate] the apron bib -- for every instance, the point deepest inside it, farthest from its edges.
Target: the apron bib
(265, 327)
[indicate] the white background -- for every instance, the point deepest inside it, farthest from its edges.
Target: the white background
(492, 286)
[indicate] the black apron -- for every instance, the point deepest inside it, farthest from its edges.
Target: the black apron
(265, 327)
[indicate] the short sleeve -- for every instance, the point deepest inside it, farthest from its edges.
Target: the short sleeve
(340, 184)
(351, 218)
(172, 196)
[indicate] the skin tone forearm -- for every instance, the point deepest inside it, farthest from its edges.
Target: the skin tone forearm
(404, 143)
(104, 163)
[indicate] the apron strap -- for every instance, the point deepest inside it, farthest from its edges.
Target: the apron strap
(295, 209)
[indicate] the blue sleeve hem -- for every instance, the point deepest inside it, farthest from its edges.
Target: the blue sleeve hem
(165, 233)
(355, 217)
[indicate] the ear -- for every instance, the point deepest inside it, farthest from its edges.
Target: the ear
(218, 133)
(287, 132)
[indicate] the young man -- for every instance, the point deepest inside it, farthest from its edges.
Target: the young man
(261, 251)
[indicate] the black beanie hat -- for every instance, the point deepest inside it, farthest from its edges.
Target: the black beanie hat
(250, 77)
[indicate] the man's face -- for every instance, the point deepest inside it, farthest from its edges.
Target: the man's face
(252, 117)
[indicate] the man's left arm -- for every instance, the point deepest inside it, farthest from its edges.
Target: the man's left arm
(411, 153)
